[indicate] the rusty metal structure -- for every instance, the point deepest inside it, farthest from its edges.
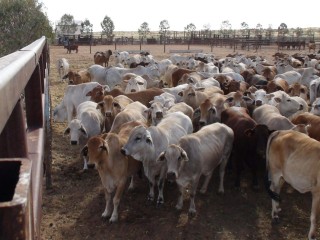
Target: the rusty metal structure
(24, 139)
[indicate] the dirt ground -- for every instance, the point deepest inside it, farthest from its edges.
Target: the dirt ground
(72, 208)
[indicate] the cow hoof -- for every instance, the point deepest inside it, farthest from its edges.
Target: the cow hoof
(275, 220)
(159, 203)
(192, 213)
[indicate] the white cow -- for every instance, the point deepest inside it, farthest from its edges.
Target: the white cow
(146, 144)
(185, 165)
(287, 105)
(315, 108)
(73, 96)
(134, 83)
(120, 56)
(62, 67)
(271, 117)
(114, 75)
(314, 89)
(290, 76)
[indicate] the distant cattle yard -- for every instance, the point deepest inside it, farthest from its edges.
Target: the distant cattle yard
(233, 203)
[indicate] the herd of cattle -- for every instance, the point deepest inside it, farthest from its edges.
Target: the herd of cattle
(178, 119)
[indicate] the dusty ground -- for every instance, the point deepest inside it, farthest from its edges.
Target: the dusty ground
(72, 208)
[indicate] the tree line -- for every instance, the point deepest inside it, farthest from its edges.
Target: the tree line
(24, 21)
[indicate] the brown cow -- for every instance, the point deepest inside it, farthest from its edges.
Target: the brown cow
(312, 121)
(298, 90)
(114, 168)
(250, 141)
(177, 75)
(78, 77)
(294, 157)
(102, 58)
(144, 96)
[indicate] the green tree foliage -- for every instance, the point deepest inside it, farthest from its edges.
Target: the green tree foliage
(190, 28)
(107, 27)
(164, 27)
(226, 27)
(67, 25)
(86, 27)
(144, 30)
(283, 29)
(258, 30)
(244, 29)
(21, 23)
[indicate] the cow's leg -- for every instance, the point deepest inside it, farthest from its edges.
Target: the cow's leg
(107, 211)
(116, 200)
(151, 190)
(314, 213)
(193, 190)
(222, 168)
(131, 186)
(180, 198)
(276, 184)
(205, 183)
(160, 188)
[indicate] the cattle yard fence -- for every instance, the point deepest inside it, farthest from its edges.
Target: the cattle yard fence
(24, 139)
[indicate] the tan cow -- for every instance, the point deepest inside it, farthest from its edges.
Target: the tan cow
(186, 166)
(110, 107)
(113, 167)
(195, 96)
(211, 109)
(312, 121)
(294, 157)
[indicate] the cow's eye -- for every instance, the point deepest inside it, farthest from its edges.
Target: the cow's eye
(138, 139)
(288, 100)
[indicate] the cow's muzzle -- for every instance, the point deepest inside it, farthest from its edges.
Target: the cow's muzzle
(171, 177)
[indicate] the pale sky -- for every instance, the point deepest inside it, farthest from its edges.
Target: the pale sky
(129, 15)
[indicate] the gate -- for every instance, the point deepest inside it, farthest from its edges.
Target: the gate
(24, 139)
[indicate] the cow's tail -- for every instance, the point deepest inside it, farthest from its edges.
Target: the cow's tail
(267, 182)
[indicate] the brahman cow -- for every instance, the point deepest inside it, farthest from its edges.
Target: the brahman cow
(110, 107)
(195, 155)
(294, 157)
(312, 121)
(62, 67)
(75, 78)
(102, 57)
(132, 112)
(195, 96)
(146, 144)
(250, 141)
(315, 107)
(73, 96)
(113, 167)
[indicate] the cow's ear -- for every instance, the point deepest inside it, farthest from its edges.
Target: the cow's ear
(161, 157)
(148, 140)
(277, 99)
(100, 105)
(84, 151)
(82, 130)
(89, 94)
(67, 131)
(184, 156)
(103, 147)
